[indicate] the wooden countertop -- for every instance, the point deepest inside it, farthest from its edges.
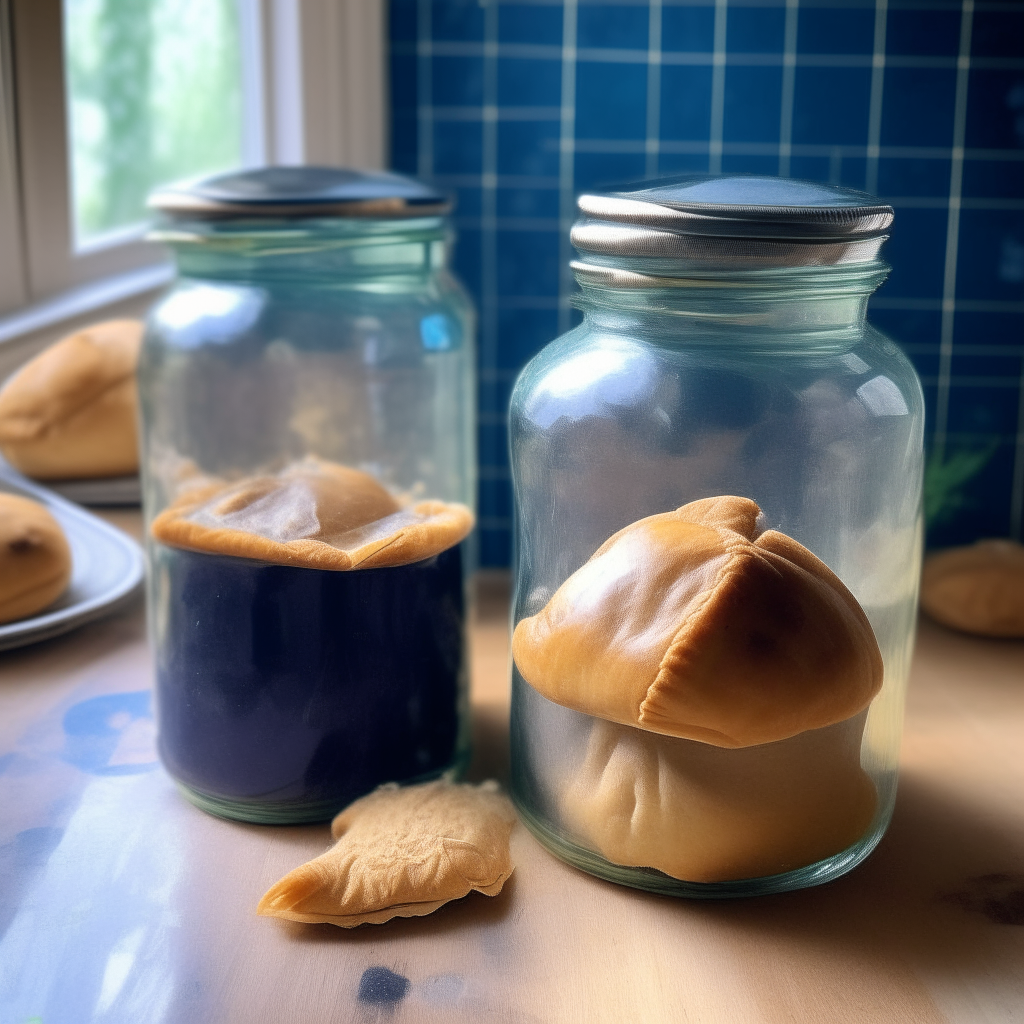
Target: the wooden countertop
(120, 902)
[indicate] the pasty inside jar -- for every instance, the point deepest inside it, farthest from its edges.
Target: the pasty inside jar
(313, 513)
(707, 814)
(697, 624)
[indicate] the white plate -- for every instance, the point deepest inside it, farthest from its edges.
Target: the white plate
(115, 490)
(106, 568)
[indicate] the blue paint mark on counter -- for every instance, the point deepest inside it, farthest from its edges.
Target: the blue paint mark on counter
(111, 735)
(380, 987)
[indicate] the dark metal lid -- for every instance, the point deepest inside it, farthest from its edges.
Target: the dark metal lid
(734, 220)
(301, 192)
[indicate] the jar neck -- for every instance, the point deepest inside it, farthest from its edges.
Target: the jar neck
(809, 307)
(328, 251)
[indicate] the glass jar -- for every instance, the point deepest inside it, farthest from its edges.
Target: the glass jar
(723, 353)
(307, 396)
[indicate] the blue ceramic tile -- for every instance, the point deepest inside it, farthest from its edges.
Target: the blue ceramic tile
(810, 168)
(611, 25)
(492, 443)
(1004, 369)
(925, 33)
(523, 333)
(529, 83)
(528, 147)
(495, 499)
(994, 179)
(983, 410)
(602, 170)
(457, 81)
(466, 259)
(995, 109)
(736, 164)
(995, 268)
(457, 20)
(528, 262)
(404, 142)
(528, 202)
(917, 252)
(685, 102)
(753, 104)
(917, 176)
(755, 29)
(530, 23)
(611, 101)
(985, 507)
(458, 147)
(688, 29)
(836, 30)
(830, 105)
(468, 204)
(403, 26)
(1000, 328)
(683, 163)
(998, 33)
(918, 108)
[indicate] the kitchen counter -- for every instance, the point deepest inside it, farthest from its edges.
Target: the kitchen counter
(120, 902)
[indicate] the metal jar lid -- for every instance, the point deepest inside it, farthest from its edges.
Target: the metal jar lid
(301, 192)
(731, 221)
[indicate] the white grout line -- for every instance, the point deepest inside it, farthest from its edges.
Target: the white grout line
(875, 103)
(424, 91)
(488, 209)
(718, 88)
(1017, 489)
(653, 87)
(567, 163)
(788, 86)
(953, 231)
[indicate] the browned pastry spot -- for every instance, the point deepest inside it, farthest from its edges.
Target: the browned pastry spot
(35, 560)
(313, 513)
(693, 624)
(401, 852)
(70, 412)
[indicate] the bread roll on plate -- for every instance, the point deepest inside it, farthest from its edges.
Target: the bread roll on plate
(69, 414)
(35, 559)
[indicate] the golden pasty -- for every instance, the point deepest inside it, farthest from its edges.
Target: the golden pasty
(70, 412)
(35, 560)
(401, 852)
(978, 589)
(704, 814)
(695, 624)
(313, 513)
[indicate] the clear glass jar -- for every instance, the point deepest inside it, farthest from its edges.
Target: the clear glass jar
(723, 351)
(314, 341)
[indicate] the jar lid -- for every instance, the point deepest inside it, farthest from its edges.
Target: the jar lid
(301, 192)
(739, 220)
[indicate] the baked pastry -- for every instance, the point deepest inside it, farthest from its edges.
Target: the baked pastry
(706, 814)
(697, 624)
(313, 513)
(35, 560)
(977, 589)
(401, 852)
(70, 412)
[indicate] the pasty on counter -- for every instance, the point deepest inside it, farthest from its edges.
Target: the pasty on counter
(977, 589)
(707, 814)
(401, 852)
(696, 624)
(35, 560)
(70, 412)
(313, 513)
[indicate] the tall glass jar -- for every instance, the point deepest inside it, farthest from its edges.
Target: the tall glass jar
(307, 398)
(723, 353)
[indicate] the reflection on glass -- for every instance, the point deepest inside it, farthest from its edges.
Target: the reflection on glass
(154, 94)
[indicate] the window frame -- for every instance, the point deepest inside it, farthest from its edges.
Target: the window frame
(314, 82)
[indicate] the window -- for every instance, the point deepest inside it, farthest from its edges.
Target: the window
(100, 100)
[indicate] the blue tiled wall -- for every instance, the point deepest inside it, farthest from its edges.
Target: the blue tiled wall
(518, 106)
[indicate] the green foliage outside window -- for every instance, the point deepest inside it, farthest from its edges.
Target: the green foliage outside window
(154, 94)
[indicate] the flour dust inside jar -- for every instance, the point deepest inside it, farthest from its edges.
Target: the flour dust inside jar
(308, 472)
(717, 482)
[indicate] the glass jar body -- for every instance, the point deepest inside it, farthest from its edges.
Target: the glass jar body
(283, 692)
(787, 398)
